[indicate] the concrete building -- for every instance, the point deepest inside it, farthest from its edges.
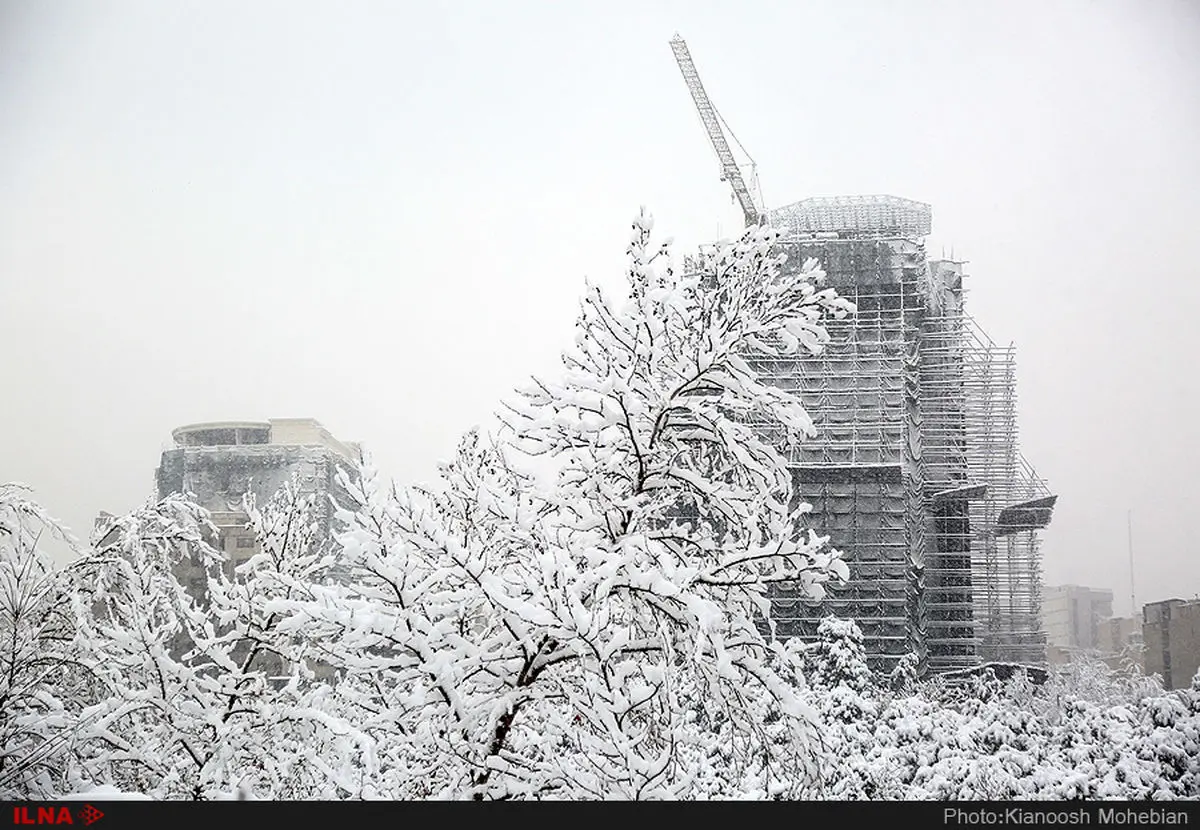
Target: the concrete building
(1120, 643)
(1171, 631)
(219, 463)
(1073, 617)
(915, 473)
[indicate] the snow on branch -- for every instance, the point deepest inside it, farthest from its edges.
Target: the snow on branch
(548, 636)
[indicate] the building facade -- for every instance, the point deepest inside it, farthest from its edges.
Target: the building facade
(1171, 631)
(1075, 619)
(220, 463)
(915, 473)
(1121, 644)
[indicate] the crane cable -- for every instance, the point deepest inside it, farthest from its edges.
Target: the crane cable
(749, 158)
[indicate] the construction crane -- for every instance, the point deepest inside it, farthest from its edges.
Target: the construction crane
(730, 171)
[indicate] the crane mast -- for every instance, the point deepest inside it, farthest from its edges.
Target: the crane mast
(730, 171)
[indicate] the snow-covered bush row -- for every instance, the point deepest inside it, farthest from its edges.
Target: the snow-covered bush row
(1075, 737)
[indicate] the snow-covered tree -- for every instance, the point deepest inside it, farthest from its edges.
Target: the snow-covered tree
(907, 673)
(594, 630)
(838, 657)
(45, 680)
(1089, 679)
(287, 740)
(201, 694)
(139, 622)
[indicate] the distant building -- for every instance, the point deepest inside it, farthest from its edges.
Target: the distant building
(1120, 643)
(1073, 617)
(219, 463)
(1171, 630)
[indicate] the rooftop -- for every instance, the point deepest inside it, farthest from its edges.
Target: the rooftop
(854, 216)
(293, 432)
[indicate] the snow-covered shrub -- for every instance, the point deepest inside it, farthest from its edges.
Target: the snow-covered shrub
(837, 657)
(1013, 740)
(1089, 679)
(906, 675)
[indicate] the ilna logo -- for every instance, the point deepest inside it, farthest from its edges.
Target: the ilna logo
(85, 815)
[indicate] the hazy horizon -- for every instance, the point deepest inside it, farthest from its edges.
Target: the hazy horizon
(381, 215)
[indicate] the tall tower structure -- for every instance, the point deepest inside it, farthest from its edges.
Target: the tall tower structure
(915, 472)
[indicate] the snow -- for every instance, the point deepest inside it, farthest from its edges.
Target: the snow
(584, 625)
(104, 792)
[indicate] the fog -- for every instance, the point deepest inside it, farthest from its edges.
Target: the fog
(381, 215)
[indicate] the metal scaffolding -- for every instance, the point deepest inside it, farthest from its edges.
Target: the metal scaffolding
(915, 472)
(848, 216)
(978, 476)
(863, 474)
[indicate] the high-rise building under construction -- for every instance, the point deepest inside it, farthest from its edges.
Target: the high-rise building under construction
(915, 473)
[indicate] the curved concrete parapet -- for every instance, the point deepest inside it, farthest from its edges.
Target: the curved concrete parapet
(297, 432)
(222, 434)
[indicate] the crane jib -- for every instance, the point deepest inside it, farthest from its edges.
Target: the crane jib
(730, 170)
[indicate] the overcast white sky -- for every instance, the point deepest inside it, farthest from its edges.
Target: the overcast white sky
(381, 214)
